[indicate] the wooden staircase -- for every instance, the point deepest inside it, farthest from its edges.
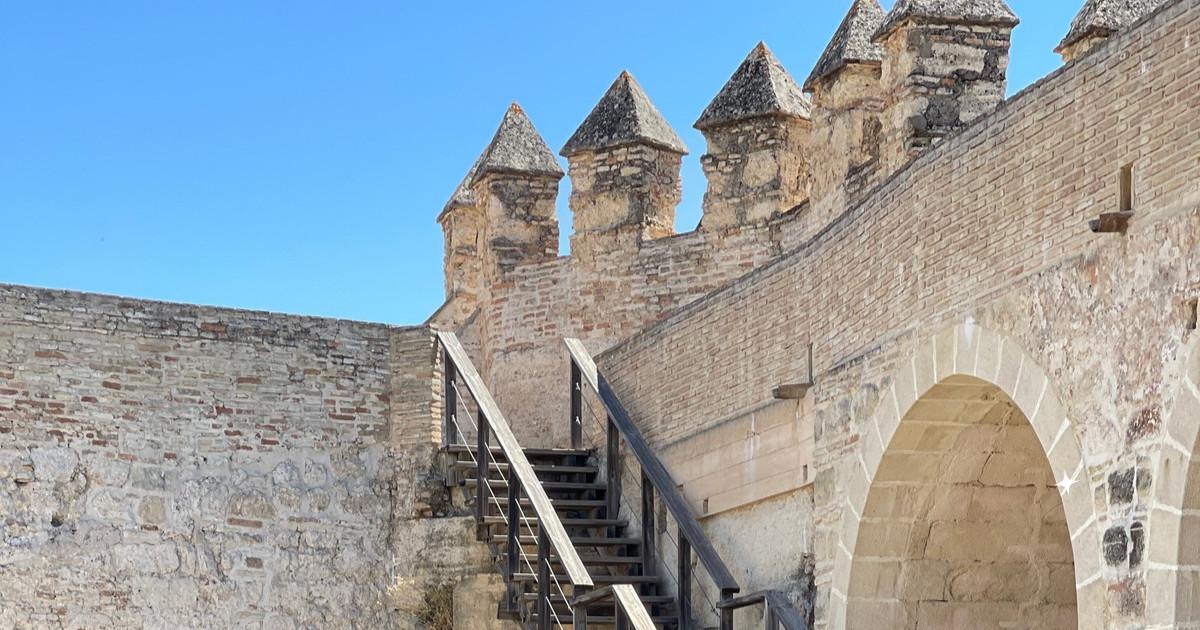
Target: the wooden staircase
(579, 495)
(554, 522)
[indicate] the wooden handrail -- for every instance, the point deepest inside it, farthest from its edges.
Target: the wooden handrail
(629, 605)
(780, 611)
(634, 609)
(654, 471)
(550, 525)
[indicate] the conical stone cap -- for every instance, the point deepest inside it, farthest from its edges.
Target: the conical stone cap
(623, 116)
(1104, 17)
(983, 12)
(852, 42)
(516, 148)
(759, 87)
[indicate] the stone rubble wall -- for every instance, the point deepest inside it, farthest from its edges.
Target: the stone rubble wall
(756, 169)
(179, 466)
(845, 146)
(622, 195)
(939, 77)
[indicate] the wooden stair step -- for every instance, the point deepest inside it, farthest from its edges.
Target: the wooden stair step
(598, 560)
(578, 541)
(598, 579)
(561, 504)
(547, 485)
(529, 452)
(470, 466)
(567, 522)
(602, 620)
(649, 600)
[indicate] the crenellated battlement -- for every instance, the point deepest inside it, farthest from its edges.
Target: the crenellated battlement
(782, 162)
(887, 87)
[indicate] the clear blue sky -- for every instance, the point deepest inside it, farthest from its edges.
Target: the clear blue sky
(292, 155)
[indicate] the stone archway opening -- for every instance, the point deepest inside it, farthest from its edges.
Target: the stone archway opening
(963, 526)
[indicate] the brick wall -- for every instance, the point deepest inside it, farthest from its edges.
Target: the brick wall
(166, 465)
(600, 300)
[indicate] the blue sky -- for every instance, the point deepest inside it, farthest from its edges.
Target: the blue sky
(292, 156)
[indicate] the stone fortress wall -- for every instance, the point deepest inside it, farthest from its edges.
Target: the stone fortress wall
(782, 161)
(900, 213)
(973, 345)
(976, 261)
(180, 466)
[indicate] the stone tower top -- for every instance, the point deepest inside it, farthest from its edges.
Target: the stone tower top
(516, 148)
(464, 195)
(989, 12)
(759, 87)
(1101, 18)
(852, 42)
(624, 116)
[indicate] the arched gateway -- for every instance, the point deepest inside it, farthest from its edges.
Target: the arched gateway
(968, 505)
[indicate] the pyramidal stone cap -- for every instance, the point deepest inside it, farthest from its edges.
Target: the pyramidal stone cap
(516, 148)
(982, 12)
(464, 195)
(1104, 17)
(852, 42)
(623, 116)
(759, 87)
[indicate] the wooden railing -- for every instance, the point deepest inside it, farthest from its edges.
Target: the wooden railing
(655, 480)
(629, 611)
(778, 613)
(552, 538)
(691, 538)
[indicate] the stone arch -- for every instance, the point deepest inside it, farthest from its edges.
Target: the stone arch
(1173, 568)
(984, 363)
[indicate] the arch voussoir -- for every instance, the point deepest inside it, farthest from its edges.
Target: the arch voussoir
(924, 368)
(966, 348)
(988, 356)
(1173, 575)
(945, 354)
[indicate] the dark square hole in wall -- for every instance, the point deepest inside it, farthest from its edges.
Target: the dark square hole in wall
(1127, 188)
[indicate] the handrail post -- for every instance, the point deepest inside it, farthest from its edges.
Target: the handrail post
(576, 406)
(622, 621)
(684, 571)
(513, 542)
(613, 465)
(726, 613)
(580, 618)
(772, 620)
(648, 532)
(543, 579)
(482, 457)
(449, 429)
